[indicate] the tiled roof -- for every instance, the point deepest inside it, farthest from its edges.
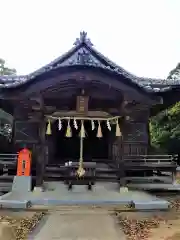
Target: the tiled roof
(83, 53)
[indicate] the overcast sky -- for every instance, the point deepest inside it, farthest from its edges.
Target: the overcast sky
(142, 36)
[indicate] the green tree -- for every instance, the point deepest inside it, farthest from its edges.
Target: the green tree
(165, 130)
(165, 126)
(175, 73)
(5, 70)
(5, 126)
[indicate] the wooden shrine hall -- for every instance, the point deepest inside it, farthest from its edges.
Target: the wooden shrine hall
(81, 108)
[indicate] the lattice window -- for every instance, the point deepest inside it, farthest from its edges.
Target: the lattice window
(135, 149)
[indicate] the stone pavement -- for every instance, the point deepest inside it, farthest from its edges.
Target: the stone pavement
(92, 224)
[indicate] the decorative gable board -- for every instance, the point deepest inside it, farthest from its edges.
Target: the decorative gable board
(82, 57)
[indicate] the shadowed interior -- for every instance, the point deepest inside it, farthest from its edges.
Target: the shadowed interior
(68, 149)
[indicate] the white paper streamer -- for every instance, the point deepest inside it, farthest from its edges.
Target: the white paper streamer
(108, 125)
(92, 125)
(59, 124)
(75, 124)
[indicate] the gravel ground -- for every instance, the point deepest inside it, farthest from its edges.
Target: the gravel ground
(160, 225)
(16, 225)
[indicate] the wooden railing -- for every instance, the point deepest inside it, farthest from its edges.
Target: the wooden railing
(153, 159)
(7, 160)
(166, 163)
(8, 156)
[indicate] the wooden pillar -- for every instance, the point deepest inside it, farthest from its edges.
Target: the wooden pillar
(41, 146)
(50, 150)
(39, 166)
(122, 173)
(110, 145)
(40, 155)
(118, 155)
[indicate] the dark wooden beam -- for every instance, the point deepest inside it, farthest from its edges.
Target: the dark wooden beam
(114, 81)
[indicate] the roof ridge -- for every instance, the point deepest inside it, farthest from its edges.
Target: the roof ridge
(115, 65)
(84, 42)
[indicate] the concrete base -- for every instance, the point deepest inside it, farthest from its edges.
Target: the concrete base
(103, 194)
(22, 184)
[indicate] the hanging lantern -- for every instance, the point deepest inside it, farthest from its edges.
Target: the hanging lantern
(59, 124)
(118, 130)
(68, 131)
(99, 131)
(48, 130)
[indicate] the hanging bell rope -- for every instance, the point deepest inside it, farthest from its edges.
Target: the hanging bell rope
(99, 131)
(48, 130)
(68, 131)
(82, 131)
(118, 130)
(81, 171)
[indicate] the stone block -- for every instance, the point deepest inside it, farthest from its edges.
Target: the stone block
(22, 184)
(15, 204)
(151, 205)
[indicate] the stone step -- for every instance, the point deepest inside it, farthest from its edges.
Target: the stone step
(14, 204)
(151, 205)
